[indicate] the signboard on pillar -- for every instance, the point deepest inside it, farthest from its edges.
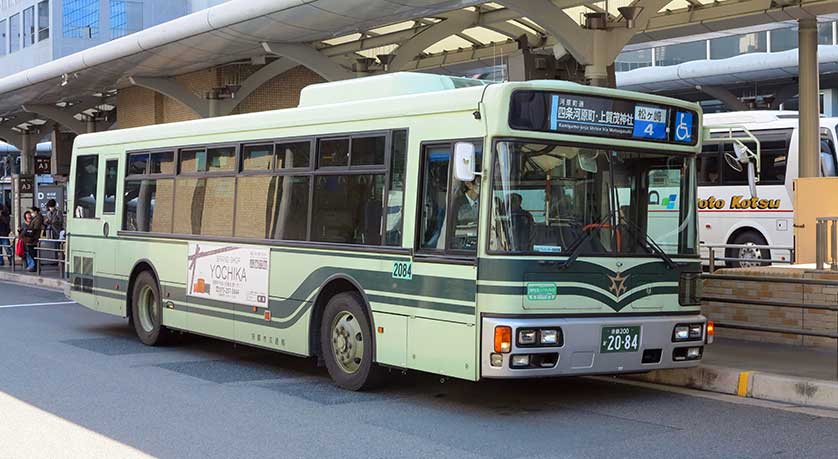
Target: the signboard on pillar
(42, 165)
(24, 194)
(47, 192)
(62, 149)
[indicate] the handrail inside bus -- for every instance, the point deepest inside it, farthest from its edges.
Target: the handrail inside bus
(731, 128)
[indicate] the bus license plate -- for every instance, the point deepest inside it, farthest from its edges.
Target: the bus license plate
(619, 339)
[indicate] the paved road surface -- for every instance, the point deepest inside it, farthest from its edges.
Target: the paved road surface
(73, 382)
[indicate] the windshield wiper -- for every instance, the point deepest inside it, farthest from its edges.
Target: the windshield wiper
(577, 243)
(651, 246)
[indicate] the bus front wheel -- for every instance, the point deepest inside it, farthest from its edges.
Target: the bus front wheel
(147, 310)
(346, 343)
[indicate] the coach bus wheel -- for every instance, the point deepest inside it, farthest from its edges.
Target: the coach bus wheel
(147, 310)
(346, 343)
(750, 256)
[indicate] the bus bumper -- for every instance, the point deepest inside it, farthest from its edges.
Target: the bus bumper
(580, 350)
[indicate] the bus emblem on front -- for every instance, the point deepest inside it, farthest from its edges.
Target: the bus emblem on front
(618, 284)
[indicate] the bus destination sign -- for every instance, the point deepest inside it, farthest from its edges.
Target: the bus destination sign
(587, 115)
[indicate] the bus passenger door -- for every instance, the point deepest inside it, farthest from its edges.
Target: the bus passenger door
(444, 267)
(111, 291)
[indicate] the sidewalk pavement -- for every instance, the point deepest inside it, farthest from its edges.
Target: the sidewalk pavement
(49, 277)
(775, 372)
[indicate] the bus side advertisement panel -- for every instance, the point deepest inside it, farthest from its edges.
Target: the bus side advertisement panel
(230, 273)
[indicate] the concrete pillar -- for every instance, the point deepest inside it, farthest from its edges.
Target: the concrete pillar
(809, 160)
(90, 124)
(27, 153)
(214, 103)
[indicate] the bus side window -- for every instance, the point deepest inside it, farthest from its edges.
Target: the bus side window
(87, 175)
(109, 205)
(707, 169)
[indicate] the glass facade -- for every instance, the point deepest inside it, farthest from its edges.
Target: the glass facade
(680, 53)
(725, 47)
(14, 33)
(3, 36)
(81, 18)
(630, 60)
(43, 20)
(126, 17)
(29, 26)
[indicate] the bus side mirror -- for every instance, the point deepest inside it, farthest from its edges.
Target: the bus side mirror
(744, 156)
(464, 157)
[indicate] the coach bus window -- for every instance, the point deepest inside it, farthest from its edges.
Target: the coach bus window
(293, 155)
(367, 151)
(109, 205)
(162, 162)
(203, 206)
(395, 197)
(257, 157)
(333, 152)
(282, 214)
(348, 209)
(708, 171)
(87, 175)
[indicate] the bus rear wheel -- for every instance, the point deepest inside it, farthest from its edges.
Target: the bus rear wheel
(346, 343)
(748, 256)
(147, 310)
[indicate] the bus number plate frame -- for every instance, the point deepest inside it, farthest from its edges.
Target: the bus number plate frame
(620, 339)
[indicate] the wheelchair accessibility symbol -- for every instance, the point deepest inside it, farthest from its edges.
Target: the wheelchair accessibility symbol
(683, 127)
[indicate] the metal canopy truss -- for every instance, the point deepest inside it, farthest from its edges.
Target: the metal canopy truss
(345, 38)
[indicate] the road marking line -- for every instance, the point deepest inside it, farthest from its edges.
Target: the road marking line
(28, 305)
(742, 387)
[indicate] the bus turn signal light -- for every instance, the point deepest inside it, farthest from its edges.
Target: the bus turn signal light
(503, 339)
(711, 332)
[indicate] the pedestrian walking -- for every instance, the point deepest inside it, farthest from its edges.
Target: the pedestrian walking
(5, 232)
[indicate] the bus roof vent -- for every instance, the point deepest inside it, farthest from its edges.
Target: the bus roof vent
(378, 86)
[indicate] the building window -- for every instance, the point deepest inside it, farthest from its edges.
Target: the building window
(630, 60)
(680, 53)
(3, 37)
(725, 47)
(14, 33)
(81, 18)
(43, 20)
(824, 33)
(126, 17)
(29, 26)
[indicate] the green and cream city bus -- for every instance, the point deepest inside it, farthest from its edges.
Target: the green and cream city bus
(407, 221)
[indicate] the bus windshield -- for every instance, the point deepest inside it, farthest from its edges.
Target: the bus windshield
(550, 198)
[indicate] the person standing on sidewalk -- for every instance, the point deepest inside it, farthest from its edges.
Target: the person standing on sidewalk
(25, 233)
(36, 228)
(54, 228)
(5, 231)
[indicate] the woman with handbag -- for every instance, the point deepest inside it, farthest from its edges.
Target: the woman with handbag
(26, 240)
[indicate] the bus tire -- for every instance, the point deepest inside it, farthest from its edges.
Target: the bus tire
(147, 310)
(748, 237)
(346, 343)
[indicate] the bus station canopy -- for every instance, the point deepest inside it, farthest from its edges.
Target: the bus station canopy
(345, 38)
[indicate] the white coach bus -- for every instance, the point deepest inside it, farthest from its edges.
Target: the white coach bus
(727, 213)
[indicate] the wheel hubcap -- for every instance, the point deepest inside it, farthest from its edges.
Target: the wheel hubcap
(347, 342)
(750, 256)
(147, 309)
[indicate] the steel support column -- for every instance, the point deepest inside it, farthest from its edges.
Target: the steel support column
(809, 157)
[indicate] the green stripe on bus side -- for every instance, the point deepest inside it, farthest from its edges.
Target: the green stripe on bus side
(284, 308)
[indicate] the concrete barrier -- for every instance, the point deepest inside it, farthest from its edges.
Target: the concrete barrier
(753, 384)
(31, 279)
